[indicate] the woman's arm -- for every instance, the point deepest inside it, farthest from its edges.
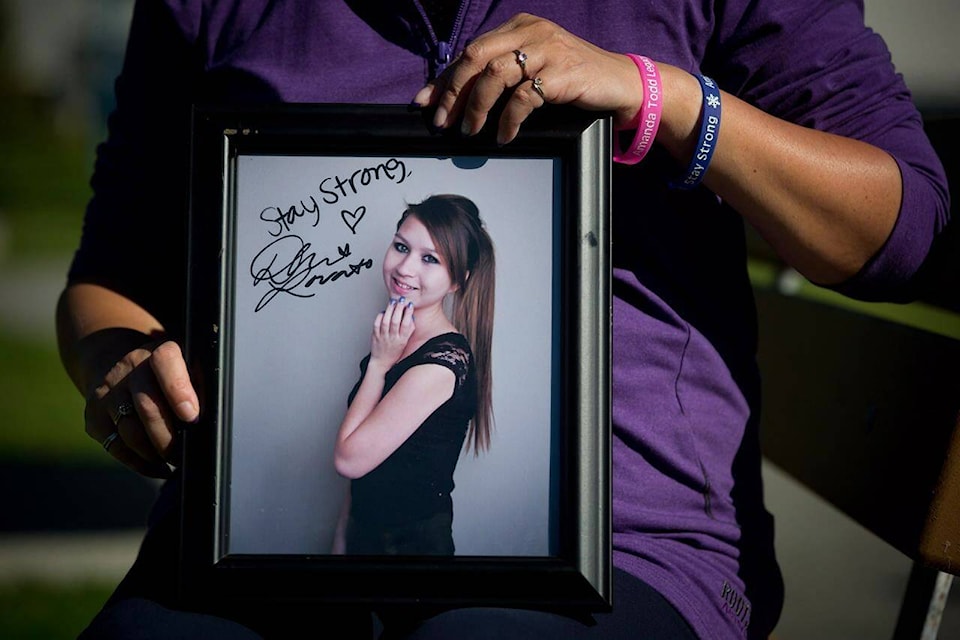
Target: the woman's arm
(373, 428)
(125, 292)
(827, 203)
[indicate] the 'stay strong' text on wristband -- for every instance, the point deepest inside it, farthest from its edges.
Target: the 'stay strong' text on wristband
(707, 142)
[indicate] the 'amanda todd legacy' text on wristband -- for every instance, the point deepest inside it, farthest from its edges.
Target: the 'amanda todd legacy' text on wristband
(648, 118)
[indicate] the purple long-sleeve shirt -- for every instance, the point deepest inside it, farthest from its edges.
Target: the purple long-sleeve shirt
(687, 497)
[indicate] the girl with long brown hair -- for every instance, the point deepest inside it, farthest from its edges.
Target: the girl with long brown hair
(425, 387)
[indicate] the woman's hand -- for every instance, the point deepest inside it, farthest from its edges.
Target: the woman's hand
(391, 332)
(141, 399)
(135, 382)
(570, 70)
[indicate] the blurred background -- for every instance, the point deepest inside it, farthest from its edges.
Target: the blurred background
(71, 518)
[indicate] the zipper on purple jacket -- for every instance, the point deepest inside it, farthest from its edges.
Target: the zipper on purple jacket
(443, 49)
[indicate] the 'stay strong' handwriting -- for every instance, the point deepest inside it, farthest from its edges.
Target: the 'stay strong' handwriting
(334, 189)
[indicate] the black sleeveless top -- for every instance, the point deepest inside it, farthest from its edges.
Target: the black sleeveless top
(416, 480)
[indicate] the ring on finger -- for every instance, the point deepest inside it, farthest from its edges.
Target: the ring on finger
(123, 409)
(521, 59)
(109, 440)
(538, 87)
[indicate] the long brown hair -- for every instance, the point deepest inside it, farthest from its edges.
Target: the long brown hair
(454, 224)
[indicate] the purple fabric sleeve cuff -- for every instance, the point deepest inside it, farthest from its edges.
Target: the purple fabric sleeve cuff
(887, 275)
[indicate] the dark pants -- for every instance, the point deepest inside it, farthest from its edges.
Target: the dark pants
(144, 607)
(639, 613)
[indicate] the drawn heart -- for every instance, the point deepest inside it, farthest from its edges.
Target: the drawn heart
(353, 218)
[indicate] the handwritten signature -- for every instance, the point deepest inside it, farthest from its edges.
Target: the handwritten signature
(287, 265)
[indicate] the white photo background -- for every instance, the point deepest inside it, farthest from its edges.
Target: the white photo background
(298, 342)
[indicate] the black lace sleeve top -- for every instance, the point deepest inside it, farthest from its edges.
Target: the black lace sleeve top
(416, 481)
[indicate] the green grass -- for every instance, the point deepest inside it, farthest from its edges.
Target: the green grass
(44, 171)
(41, 413)
(915, 314)
(40, 611)
(44, 174)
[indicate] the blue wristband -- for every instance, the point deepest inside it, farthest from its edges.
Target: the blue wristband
(709, 132)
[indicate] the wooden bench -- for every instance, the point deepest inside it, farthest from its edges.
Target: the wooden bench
(864, 412)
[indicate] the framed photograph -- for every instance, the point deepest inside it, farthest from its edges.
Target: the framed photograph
(298, 240)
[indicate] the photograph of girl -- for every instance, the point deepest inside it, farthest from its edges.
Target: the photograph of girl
(424, 393)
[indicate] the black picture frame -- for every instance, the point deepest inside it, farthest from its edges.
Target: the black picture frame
(575, 572)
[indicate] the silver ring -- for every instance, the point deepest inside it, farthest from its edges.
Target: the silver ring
(109, 440)
(123, 409)
(538, 87)
(521, 59)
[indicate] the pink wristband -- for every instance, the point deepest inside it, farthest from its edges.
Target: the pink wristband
(648, 118)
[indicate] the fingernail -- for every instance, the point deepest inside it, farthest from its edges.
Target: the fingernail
(393, 301)
(401, 299)
(440, 117)
(465, 128)
(187, 408)
(410, 304)
(423, 96)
